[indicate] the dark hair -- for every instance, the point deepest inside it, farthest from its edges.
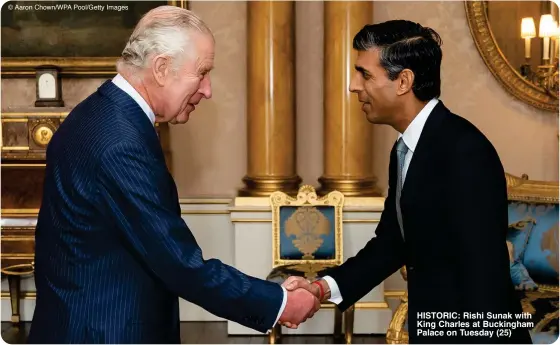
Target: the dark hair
(403, 45)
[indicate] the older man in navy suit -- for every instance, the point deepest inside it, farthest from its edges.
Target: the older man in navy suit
(113, 254)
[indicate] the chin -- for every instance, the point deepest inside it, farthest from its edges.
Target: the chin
(373, 118)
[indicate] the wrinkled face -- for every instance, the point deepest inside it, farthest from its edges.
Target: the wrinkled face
(181, 91)
(378, 94)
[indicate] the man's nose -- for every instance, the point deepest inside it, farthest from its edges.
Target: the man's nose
(206, 87)
(354, 84)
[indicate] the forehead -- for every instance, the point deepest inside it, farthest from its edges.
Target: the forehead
(204, 48)
(202, 53)
(368, 59)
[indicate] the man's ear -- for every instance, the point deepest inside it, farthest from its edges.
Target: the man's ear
(405, 81)
(161, 66)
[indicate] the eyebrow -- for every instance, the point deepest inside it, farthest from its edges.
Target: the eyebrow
(206, 69)
(361, 69)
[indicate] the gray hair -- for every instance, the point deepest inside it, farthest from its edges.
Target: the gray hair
(164, 30)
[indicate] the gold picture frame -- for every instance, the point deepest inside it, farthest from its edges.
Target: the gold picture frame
(24, 67)
(497, 63)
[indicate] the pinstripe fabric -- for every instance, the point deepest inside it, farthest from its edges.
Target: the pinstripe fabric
(112, 251)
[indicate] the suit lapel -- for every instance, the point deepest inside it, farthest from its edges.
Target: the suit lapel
(424, 151)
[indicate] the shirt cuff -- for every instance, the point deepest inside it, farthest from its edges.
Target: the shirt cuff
(284, 300)
(336, 298)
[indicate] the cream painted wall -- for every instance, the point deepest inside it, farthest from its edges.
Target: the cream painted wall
(210, 154)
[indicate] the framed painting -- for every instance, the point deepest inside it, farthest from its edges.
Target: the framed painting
(81, 39)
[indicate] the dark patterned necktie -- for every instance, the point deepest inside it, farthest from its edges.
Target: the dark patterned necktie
(402, 149)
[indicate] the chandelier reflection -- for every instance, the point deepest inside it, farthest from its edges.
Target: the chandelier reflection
(546, 74)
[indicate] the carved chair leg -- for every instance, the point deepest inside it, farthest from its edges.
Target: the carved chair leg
(275, 335)
(349, 324)
(15, 287)
(396, 333)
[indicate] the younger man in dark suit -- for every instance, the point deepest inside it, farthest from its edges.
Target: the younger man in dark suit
(445, 216)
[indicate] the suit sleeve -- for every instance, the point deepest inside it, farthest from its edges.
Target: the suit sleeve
(381, 257)
(135, 186)
(477, 212)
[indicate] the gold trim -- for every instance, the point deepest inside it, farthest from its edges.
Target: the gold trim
(24, 67)
(265, 186)
(15, 120)
(17, 256)
(396, 333)
(306, 197)
(493, 57)
(17, 238)
(394, 293)
(371, 305)
(23, 295)
(15, 148)
(523, 189)
(349, 202)
(360, 305)
(26, 115)
(10, 211)
(548, 288)
(23, 165)
(362, 187)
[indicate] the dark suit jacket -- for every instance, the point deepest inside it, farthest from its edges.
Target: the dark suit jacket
(455, 219)
(113, 254)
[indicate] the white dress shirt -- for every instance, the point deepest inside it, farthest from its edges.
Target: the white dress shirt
(410, 137)
(124, 85)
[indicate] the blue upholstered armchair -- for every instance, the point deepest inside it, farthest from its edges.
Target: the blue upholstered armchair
(533, 244)
(306, 240)
(532, 241)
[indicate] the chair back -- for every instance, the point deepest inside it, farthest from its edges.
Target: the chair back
(307, 229)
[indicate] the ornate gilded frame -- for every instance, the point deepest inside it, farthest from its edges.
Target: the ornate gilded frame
(519, 189)
(307, 196)
(539, 192)
(493, 57)
(24, 67)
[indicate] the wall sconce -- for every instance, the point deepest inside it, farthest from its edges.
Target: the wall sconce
(546, 75)
(546, 30)
(528, 31)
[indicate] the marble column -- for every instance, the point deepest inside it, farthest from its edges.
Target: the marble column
(271, 108)
(348, 136)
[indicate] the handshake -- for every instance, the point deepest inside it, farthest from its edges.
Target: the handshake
(304, 299)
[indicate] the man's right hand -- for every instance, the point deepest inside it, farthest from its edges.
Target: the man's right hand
(300, 306)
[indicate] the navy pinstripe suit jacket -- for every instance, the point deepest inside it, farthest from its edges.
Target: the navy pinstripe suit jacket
(113, 254)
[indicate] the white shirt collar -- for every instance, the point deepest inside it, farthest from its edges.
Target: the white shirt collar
(412, 134)
(124, 85)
